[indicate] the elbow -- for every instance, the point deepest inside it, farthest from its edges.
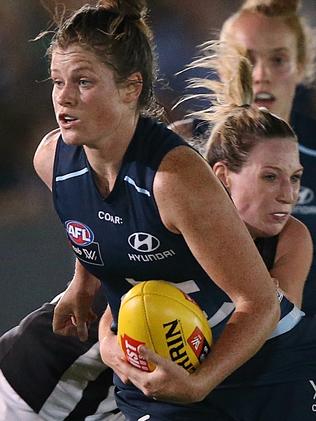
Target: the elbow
(276, 312)
(272, 311)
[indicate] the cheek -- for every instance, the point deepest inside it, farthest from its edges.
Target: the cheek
(249, 207)
(288, 78)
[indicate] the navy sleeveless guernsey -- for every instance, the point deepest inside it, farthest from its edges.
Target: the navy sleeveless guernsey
(122, 240)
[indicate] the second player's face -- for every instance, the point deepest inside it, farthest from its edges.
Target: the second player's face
(87, 101)
(272, 49)
(267, 187)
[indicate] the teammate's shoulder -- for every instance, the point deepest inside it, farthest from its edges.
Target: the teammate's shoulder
(295, 230)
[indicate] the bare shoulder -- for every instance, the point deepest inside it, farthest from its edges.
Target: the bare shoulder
(186, 184)
(183, 163)
(43, 160)
(295, 235)
(295, 230)
(183, 128)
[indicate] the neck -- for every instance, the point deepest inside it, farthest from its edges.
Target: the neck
(106, 160)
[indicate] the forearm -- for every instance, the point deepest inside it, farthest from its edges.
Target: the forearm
(105, 324)
(244, 334)
(83, 281)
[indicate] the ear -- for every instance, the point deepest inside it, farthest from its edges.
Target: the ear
(222, 172)
(133, 87)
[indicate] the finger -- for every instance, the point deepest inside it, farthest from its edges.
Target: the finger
(82, 331)
(58, 325)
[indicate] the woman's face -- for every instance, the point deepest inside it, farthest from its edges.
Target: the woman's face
(272, 49)
(88, 104)
(267, 187)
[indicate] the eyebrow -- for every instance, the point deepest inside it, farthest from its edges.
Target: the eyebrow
(274, 50)
(76, 69)
(301, 168)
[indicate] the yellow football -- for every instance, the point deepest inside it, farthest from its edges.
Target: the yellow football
(160, 316)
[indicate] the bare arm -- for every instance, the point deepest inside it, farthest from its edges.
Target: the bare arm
(43, 160)
(293, 259)
(194, 204)
(73, 312)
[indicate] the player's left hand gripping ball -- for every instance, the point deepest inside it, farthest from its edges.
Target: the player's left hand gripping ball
(160, 316)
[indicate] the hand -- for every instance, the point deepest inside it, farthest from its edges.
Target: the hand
(168, 382)
(73, 314)
(112, 354)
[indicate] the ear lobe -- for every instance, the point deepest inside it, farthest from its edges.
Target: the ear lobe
(133, 87)
(221, 171)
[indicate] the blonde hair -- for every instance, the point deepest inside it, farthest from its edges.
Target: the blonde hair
(238, 123)
(288, 12)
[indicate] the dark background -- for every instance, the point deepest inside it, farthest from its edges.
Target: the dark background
(35, 262)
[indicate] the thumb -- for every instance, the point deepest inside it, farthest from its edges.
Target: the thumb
(150, 355)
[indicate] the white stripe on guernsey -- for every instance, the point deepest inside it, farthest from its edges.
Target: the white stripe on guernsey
(139, 189)
(70, 387)
(72, 174)
(288, 322)
(186, 286)
(225, 310)
(307, 151)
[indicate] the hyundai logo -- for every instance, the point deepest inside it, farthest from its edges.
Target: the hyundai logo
(306, 196)
(141, 241)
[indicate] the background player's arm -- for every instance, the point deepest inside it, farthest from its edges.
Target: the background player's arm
(293, 259)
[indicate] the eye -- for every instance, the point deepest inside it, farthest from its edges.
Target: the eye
(269, 177)
(278, 60)
(296, 178)
(84, 82)
(57, 82)
(281, 62)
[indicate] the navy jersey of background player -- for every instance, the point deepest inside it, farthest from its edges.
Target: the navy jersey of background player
(305, 128)
(121, 238)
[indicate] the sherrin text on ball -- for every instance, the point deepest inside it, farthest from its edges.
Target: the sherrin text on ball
(160, 316)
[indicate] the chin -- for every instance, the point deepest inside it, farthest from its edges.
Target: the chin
(264, 232)
(71, 139)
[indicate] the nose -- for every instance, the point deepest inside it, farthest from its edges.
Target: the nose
(261, 71)
(288, 192)
(65, 95)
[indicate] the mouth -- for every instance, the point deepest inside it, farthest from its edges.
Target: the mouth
(280, 216)
(264, 99)
(67, 120)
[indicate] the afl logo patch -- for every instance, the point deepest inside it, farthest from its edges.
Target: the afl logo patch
(143, 242)
(79, 233)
